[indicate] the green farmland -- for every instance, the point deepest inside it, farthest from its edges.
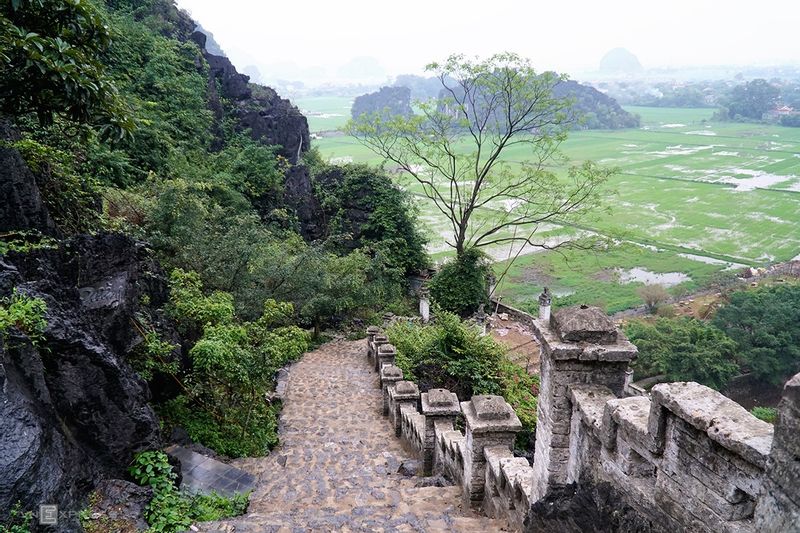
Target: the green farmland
(692, 197)
(325, 113)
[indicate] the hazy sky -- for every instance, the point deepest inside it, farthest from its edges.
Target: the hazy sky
(566, 35)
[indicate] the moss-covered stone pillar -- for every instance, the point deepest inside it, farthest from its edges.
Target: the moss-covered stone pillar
(437, 404)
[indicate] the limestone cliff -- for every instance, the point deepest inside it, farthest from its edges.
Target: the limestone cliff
(254, 108)
(73, 410)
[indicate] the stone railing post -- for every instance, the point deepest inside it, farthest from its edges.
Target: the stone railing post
(401, 394)
(778, 507)
(380, 340)
(490, 421)
(385, 356)
(425, 305)
(372, 331)
(437, 404)
(390, 375)
(578, 345)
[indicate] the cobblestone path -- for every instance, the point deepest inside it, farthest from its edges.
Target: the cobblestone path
(336, 466)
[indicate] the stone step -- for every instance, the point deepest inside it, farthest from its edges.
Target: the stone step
(204, 475)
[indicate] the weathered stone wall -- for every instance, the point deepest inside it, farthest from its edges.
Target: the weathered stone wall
(684, 458)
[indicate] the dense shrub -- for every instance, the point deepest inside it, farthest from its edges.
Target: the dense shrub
(449, 354)
(71, 199)
(23, 313)
(684, 349)
(452, 354)
(462, 284)
(765, 323)
(223, 404)
(364, 209)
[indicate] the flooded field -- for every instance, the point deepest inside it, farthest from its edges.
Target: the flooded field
(683, 187)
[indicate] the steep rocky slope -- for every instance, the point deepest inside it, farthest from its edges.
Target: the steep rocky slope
(73, 409)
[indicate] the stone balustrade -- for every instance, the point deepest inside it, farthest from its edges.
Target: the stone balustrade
(390, 374)
(684, 457)
(426, 424)
(385, 355)
(401, 394)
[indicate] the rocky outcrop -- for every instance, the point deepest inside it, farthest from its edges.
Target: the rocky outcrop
(73, 410)
(388, 102)
(588, 508)
(593, 109)
(255, 108)
(22, 208)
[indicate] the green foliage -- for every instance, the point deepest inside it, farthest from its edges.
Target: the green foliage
(24, 242)
(452, 354)
(752, 99)
(154, 356)
(448, 353)
(521, 391)
(250, 168)
(765, 324)
(170, 510)
(767, 414)
(791, 121)
(243, 431)
(193, 310)
(160, 79)
(361, 204)
(50, 64)
(25, 314)
(339, 286)
(70, 198)
(19, 521)
(685, 349)
(461, 285)
(233, 363)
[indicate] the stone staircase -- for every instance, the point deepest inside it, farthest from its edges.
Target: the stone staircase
(336, 468)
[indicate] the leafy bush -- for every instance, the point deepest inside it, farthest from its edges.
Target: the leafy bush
(684, 349)
(765, 324)
(224, 404)
(462, 284)
(452, 354)
(362, 204)
(154, 356)
(448, 353)
(71, 199)
(19, 521)
(244, 431)
(767, 414)
(171, 510)
(50, 63)
(24, 313)
(521, 391)
(191, 309)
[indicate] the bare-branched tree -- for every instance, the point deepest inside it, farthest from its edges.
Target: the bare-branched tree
(485, 152)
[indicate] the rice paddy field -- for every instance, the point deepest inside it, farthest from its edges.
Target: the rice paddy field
(692, 198)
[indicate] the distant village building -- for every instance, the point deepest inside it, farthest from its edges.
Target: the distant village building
(781, 111)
